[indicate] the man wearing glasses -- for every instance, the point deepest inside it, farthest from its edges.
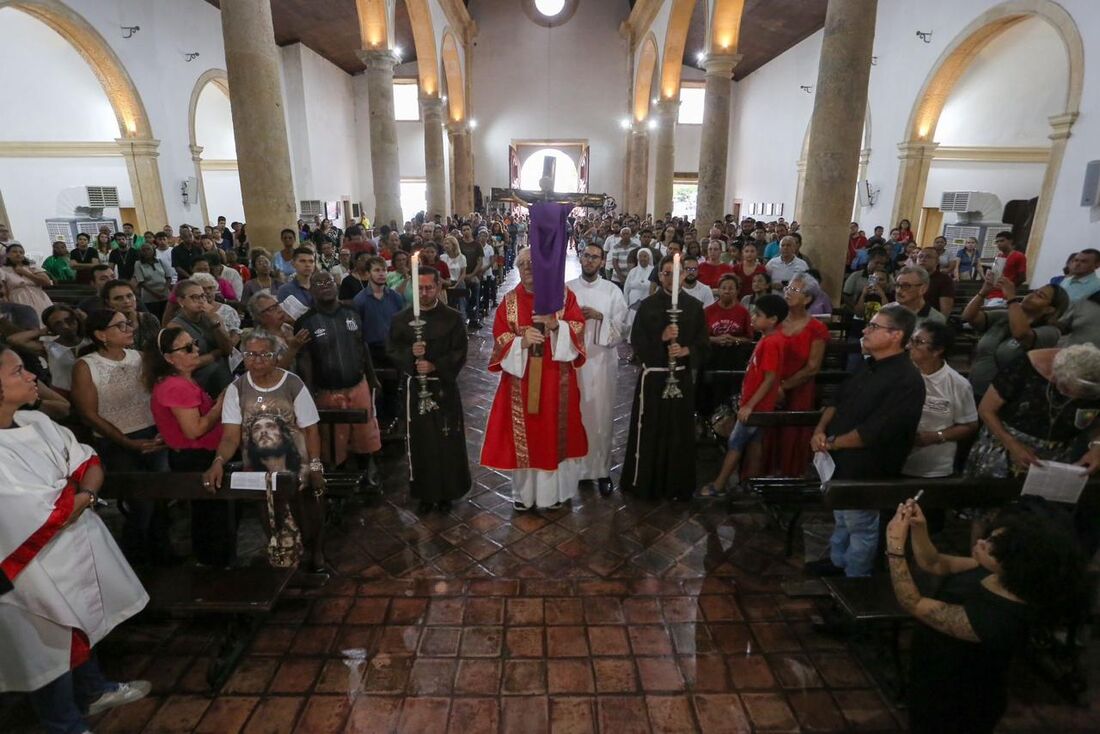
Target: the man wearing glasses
(694, 287)
(869, 430)
(910, 289)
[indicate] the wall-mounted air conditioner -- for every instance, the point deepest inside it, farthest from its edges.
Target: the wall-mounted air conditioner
(977, 214)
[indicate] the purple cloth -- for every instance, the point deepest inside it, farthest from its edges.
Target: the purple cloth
(549, 241)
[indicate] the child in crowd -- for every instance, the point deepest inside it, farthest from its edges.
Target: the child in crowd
(759, 390)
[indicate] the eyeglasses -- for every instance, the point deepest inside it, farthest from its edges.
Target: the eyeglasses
(123, 326)
(190, 346)
(906, 286)
(691, 270)
(586, 256)
(920, 342)
(266, 356)
(872, 326)
(792, 289)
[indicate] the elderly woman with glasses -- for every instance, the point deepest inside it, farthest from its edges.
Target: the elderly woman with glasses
(1044, 406)
(189, 422)
(269, 414)
(268, 315)
(110, 397)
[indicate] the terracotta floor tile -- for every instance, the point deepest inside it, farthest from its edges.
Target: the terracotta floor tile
(369, 610)
(474, 715)
(330, 610)
(603, 610)
(642, 611)
(750, 672)
(705, 673)
(387, 674)
(608, 640)
(179, 714)
(649, 640)
(769, 712)
(720, 714)
(432, 677)
(133, 717)
(314, 639)
(774, 637)
(794, 671)
(564, 611)
(840, 670)
(524, 677)
(295, 675)
(407, 611)
(275, 715)
(816, 711)
(523, 714)
(524, 642)
(865, 711)
(440, 641)
(569, 676)
(733, 639)
(484, 642)
(399, 639)
(273, 640)
(670, 714)
(374, 713)
(166, 672)
(719, 608)
(252, 675)
(484, 611)
(572, 715)
(524, 611)
(622, 715)
(422, 715)
(324, 714)
(566, 642)
(615, 675)
(660, 674)
(336, 677)
(478, 676)
(445, 611)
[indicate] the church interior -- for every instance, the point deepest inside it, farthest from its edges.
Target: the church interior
(608, 611)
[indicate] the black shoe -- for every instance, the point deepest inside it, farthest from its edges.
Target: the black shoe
(444, 506)
(605, 486)
(424, 507)
(823, 567)
(586, 484)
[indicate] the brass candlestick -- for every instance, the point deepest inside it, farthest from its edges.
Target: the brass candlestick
(425, 403)
(672, 385)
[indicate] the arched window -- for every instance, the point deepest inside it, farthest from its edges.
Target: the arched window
(566, 177)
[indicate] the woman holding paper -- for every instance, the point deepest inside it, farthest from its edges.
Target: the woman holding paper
(1045, 407)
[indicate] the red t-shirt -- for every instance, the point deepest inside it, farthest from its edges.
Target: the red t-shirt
(178, 392)
(1015, 270)
(746, 277)
(766, 357)
(734, 320)
(709, 274)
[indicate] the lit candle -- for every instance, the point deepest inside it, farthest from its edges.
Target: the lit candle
(416, 284)
(675, 279)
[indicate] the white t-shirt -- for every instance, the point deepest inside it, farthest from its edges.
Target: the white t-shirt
(456, 265)
(165, 256)
(305, 410)
(781, 272)
(700, 292)
(489, 256)
(948, 400)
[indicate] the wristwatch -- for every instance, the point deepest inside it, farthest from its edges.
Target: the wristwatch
(940, 436)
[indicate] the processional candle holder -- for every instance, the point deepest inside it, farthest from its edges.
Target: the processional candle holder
(672, 385)
(425, 403)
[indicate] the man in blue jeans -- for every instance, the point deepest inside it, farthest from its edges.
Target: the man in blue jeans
(869, 430)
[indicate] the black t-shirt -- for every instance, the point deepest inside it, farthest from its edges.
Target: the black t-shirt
(959, 686)
(1035, 407)
(185, 257)
(84, 256)
(336, 350)
(883, 401)
(350, 287)
(473, 252)
(124, 262)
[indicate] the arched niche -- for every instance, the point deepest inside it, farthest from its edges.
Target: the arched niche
(136, 143)
(918, 147)
(211, 88)
(566, 174)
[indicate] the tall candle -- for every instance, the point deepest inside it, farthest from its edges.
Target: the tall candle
(675, 279)
(416, 284)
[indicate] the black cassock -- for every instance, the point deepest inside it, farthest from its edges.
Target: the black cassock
(660, 449)
(436, 441)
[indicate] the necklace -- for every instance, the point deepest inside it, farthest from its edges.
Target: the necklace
(1054, 410)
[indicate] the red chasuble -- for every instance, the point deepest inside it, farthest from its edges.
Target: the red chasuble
(514, 438)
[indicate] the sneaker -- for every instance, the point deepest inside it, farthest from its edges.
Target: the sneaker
(126, 693)
(519, 506)
(710, 490)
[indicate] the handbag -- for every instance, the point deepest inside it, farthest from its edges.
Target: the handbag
(284, 544)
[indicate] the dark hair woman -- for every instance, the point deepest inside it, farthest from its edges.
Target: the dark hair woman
(189, 421)
(1023, 571)
(112, 400)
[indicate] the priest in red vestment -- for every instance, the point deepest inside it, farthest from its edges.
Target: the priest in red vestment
(543, 449)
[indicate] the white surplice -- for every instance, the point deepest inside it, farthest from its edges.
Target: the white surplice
(79, 580)
(541, 487)
(598, 376)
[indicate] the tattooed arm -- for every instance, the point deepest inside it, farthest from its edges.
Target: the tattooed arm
(949, 619)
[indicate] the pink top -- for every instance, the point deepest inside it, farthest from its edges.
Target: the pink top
(179, 392)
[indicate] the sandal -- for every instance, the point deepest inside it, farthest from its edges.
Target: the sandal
(710, 490)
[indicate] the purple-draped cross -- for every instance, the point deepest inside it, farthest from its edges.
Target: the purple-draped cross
(549, 241)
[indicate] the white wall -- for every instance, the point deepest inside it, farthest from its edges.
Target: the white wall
(1011, 92)
(1007, 180)
(214, 125)
(578, 93)
(223, 195)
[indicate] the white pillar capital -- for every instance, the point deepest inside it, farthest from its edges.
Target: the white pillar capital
(378, 59)
(431, 107)
(138, 147)
(1060, 125)
(721, 65)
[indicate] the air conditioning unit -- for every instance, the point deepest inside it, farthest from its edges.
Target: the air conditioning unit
(87, 201)
(977, 214)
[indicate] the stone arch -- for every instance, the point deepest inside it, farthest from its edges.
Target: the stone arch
(136, 143)
(679, 19)
(220, 79)
(427, 60)
(452, 77)
(724, 26)
(375, 23)
(645, 78)
(917, 149)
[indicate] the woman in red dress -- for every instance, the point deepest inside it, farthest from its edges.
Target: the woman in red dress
(788, 450)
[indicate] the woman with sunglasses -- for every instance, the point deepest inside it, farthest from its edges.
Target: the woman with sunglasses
(190, 423)
(112, 400)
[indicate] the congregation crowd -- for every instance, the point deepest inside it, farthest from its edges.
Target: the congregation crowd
(196, 349)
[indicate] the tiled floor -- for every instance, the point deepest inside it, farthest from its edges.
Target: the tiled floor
(611, 615)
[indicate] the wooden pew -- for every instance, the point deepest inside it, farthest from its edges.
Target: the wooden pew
(241, 595)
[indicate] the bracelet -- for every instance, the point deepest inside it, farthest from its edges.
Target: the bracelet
(895, 555)
(316, 465)
(940, 436)
(219, 459)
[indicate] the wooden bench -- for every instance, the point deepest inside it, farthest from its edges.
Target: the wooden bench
(69, 293)
(242, 595)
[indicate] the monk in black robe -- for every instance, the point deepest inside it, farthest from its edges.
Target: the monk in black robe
(660, 449)
(439, 470)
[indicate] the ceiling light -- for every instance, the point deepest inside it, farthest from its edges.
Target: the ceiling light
(473, 124)
(652, 124)
(549, 8)
(397, 51)
(700, 56)
(625, 123)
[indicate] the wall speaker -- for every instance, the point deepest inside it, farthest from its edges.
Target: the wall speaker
(1090, 196)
